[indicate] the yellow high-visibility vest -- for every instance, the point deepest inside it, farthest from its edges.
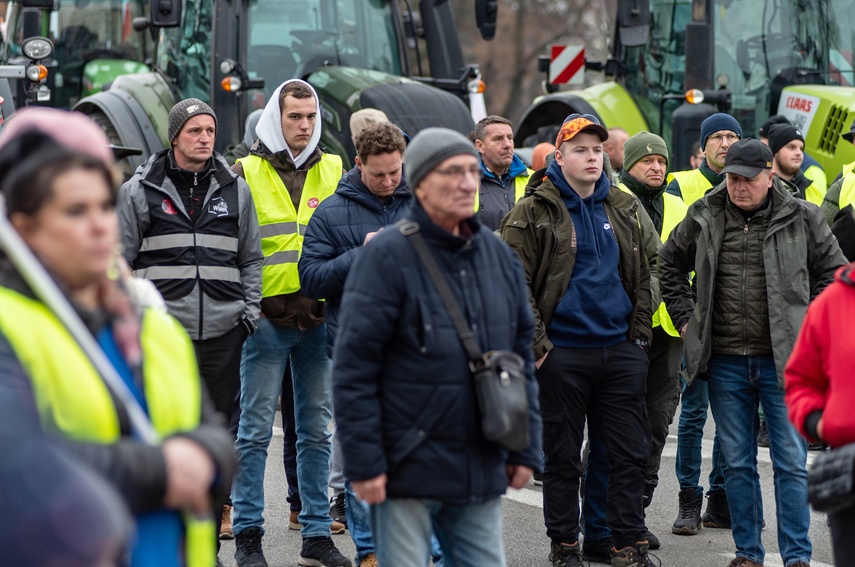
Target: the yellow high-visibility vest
(693, 184)
(673, 212)
(818, 187)
(73, 401)
(520, 182)
(847, 191)
(282, 227)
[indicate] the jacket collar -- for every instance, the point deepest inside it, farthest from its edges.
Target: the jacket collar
(443, 238)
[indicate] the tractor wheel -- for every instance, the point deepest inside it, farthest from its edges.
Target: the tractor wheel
(124, 164)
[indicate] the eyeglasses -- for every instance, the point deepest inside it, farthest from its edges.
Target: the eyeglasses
(717, 138)
(457, 172)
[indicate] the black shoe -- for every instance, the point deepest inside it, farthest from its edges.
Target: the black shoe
(688, 520)
(565, 555)
(598, 550)
(652, 540)
(717, 514)
(248, 548)
(538, 478)
(763, 436)
(817, 447)
(321, 552)
(338, 509)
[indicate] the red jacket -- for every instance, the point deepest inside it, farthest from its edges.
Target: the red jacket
(820, 374)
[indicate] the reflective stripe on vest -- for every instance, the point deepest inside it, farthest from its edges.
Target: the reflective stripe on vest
(73, 401)
(673, 212)
(282, 228)
(693, 184)
(818, 187)
(520, 183)
(847, 191)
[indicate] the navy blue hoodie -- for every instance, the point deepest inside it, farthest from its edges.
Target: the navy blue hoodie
(594, 309)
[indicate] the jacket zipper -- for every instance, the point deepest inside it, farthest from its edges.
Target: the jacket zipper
(744, 289)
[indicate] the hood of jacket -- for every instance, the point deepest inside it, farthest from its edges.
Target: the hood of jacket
(269, 128)
(516, 169)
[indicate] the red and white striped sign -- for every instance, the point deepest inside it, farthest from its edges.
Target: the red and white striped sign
(567, 65)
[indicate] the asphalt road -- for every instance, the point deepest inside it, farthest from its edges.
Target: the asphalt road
(526, 544)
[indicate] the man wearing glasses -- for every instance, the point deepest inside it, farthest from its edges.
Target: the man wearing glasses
(718, 133)
(579, 241)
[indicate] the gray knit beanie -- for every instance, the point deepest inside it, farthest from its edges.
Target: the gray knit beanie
(184, 111)
(642, 145)
(431, 147)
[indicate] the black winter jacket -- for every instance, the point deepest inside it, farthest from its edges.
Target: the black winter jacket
(403, 393)
(334, 239)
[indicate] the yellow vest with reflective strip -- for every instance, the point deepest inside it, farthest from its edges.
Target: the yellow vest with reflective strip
(847, 191)
(818, 187)
(74, 402)
(520, 182)
(282, 227)
(673, 212)
(693, 184)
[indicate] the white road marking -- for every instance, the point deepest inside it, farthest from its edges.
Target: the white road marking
(763, 455)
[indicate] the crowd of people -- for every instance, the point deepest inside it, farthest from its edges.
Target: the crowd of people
(148, 333)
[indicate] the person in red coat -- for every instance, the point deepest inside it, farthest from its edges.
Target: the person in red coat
(820, 391)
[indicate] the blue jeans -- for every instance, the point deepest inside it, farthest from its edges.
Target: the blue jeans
(359, 525)
(265, 355)
(690, 434)
(470, 535)
(736, 385)
(596, 491)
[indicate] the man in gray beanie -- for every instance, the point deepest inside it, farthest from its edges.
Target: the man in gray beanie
(184, 211)
(403, 391)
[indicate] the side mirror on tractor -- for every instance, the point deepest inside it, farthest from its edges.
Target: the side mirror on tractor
(166, 13)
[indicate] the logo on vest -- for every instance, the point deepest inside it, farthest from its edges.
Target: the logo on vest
(607, 226)
(168, 207)
(313, 203)
(219, 207)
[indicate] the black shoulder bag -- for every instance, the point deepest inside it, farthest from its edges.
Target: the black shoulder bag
(499, 374)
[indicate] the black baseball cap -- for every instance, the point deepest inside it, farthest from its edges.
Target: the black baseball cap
(748, 158)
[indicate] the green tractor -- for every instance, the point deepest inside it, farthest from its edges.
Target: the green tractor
(93, 43)
(356, 54)
(750, 58)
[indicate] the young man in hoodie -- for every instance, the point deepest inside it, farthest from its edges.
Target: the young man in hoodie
(289, 176)
(589, 286)
(503, 175)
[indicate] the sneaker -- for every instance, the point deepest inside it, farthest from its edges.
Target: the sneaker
(743, 562)
(565, 555)
(652, 540)
(338, 509)
(817, 446)
(226, 531)
(717, 514)
(597, 550)
(763, 436)
(538, 478)
(248, 551)
(321, 552)
(294, 523)
(635, 556)
(369, 560)
(688, 520)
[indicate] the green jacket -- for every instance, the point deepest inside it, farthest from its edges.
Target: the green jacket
(799, 253)
(540, 231)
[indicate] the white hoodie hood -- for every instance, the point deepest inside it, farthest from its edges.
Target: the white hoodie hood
(269, 128)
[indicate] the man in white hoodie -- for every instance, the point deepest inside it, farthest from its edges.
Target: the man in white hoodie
(288, 176)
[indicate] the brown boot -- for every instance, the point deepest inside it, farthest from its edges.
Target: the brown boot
(369, 560)
(226, 531)
(294, 520)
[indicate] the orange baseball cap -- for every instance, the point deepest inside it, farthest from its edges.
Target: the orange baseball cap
(576, 123)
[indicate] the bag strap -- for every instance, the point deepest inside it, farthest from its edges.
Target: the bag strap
(467, 337)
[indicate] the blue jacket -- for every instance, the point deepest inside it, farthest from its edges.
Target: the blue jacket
(403, 393)
(335, 235)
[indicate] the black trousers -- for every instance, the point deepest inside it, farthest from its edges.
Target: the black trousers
(608, 386)
(842, 529)
(663, 395)
(289, 448)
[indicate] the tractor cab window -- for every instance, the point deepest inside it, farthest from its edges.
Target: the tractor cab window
(761, 46)
(292, 39)
(184, 53)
